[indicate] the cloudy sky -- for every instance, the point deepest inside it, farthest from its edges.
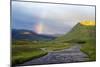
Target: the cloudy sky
(46, 18)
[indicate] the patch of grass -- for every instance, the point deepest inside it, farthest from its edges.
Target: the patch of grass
(22, 54)
(57, 47)
(90, 49)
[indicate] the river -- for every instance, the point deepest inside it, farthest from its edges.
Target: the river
(69, 55)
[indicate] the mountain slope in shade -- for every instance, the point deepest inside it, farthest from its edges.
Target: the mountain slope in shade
(29, 35)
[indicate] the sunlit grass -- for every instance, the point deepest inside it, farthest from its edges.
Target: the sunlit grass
(88, 23)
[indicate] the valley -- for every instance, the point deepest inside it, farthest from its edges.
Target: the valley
(77, 45)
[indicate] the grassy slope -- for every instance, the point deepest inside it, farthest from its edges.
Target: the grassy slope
(84, 35)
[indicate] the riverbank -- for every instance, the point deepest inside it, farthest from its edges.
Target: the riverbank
(26, 54)
(32, 50)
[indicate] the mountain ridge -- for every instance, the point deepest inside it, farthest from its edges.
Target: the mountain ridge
(22, 34)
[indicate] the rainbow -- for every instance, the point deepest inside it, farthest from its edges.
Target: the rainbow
(39, 28)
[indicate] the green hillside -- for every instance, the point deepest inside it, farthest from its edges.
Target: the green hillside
(78, 33)
(84, 35)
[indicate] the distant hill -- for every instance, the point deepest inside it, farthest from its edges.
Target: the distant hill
(29, 35)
